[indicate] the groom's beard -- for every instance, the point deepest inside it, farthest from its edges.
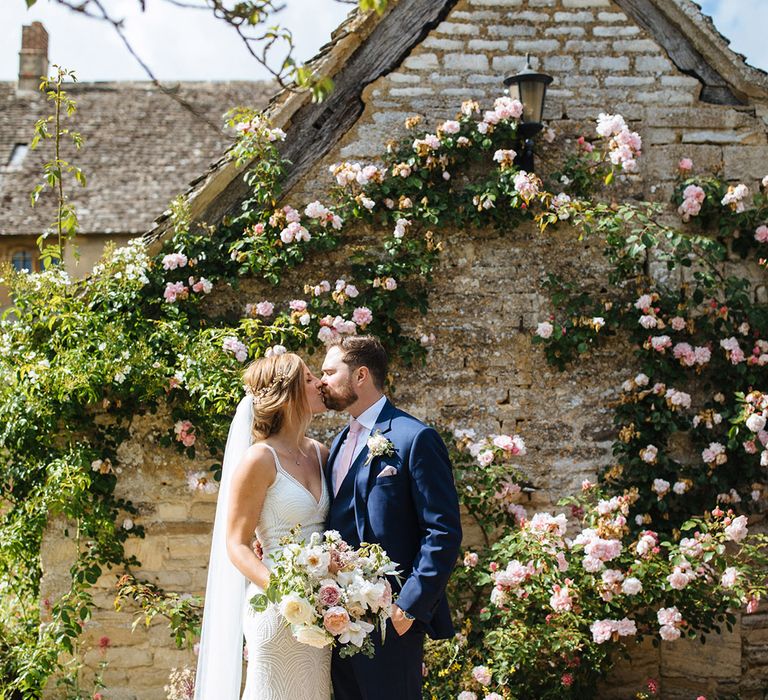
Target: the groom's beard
(338, 401)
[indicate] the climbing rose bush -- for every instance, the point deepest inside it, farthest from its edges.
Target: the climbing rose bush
(544, 609)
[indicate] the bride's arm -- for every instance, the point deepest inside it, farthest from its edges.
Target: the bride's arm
(254, 475)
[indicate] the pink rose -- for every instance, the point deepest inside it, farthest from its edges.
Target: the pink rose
(685, 165)
(761, 234)
(329, 595)
(336, 620)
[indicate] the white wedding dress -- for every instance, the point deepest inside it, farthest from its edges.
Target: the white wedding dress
(279, 667)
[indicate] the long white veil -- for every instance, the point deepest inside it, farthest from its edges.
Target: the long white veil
(220, 660)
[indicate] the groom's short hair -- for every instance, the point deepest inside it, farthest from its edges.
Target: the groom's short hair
(364, 351)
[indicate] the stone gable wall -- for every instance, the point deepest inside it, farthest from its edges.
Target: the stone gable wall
(488, 296)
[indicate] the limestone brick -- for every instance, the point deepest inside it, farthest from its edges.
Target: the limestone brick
(611, 17)
(457, 28)
(586, 3)
(486, 45)
(615, 31)
(569, 17)
(466, 61)
(604, 63)
(421, 61)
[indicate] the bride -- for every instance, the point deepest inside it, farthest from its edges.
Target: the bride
(272, 479)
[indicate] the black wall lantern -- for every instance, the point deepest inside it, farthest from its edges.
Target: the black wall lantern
(530, 88)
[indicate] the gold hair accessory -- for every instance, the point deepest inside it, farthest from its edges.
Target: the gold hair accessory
(260, 394)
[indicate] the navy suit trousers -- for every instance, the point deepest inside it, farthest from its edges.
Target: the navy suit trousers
(393, 674)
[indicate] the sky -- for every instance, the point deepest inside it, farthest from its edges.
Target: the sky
(209, 50)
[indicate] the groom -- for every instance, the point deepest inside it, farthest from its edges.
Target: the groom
(401, 496)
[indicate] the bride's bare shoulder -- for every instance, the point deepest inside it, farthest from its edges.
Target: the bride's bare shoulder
(258, 462)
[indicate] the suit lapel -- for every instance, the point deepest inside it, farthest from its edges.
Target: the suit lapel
(361, 468)
(334, 451)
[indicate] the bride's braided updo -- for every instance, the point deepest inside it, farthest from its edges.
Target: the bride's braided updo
(276, 384)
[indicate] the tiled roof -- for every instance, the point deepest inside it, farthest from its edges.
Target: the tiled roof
(142, 148)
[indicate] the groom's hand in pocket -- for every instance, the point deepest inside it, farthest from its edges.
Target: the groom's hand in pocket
(399, 621)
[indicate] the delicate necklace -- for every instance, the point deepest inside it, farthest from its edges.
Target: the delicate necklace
(295, 459)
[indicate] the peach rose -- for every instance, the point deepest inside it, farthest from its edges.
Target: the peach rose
(336, 620)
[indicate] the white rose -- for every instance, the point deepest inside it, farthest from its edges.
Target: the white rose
(311, 635)
(631, 586)
(356, 633)
(296, 609)
(316, 561)
(756, 422)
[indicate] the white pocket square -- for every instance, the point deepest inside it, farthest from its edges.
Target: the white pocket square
(387, 471)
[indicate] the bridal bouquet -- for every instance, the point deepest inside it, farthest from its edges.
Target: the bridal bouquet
(329, 592)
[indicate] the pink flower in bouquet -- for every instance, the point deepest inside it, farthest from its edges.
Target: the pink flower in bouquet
(761, 234)
(336, 620)
(329, 593)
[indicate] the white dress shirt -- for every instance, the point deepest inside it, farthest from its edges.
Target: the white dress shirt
(367, 419)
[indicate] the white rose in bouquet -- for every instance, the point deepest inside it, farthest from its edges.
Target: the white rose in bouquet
(356, 633)
(316, 561)
(296, 609)
(312, 635)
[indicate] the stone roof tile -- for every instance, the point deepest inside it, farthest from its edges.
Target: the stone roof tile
(142, 148)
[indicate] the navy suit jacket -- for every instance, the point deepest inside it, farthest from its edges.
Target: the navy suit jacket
(413, 514)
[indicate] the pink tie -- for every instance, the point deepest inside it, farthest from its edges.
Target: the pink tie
(355, 429)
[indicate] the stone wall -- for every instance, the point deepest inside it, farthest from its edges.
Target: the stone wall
(488, 295)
